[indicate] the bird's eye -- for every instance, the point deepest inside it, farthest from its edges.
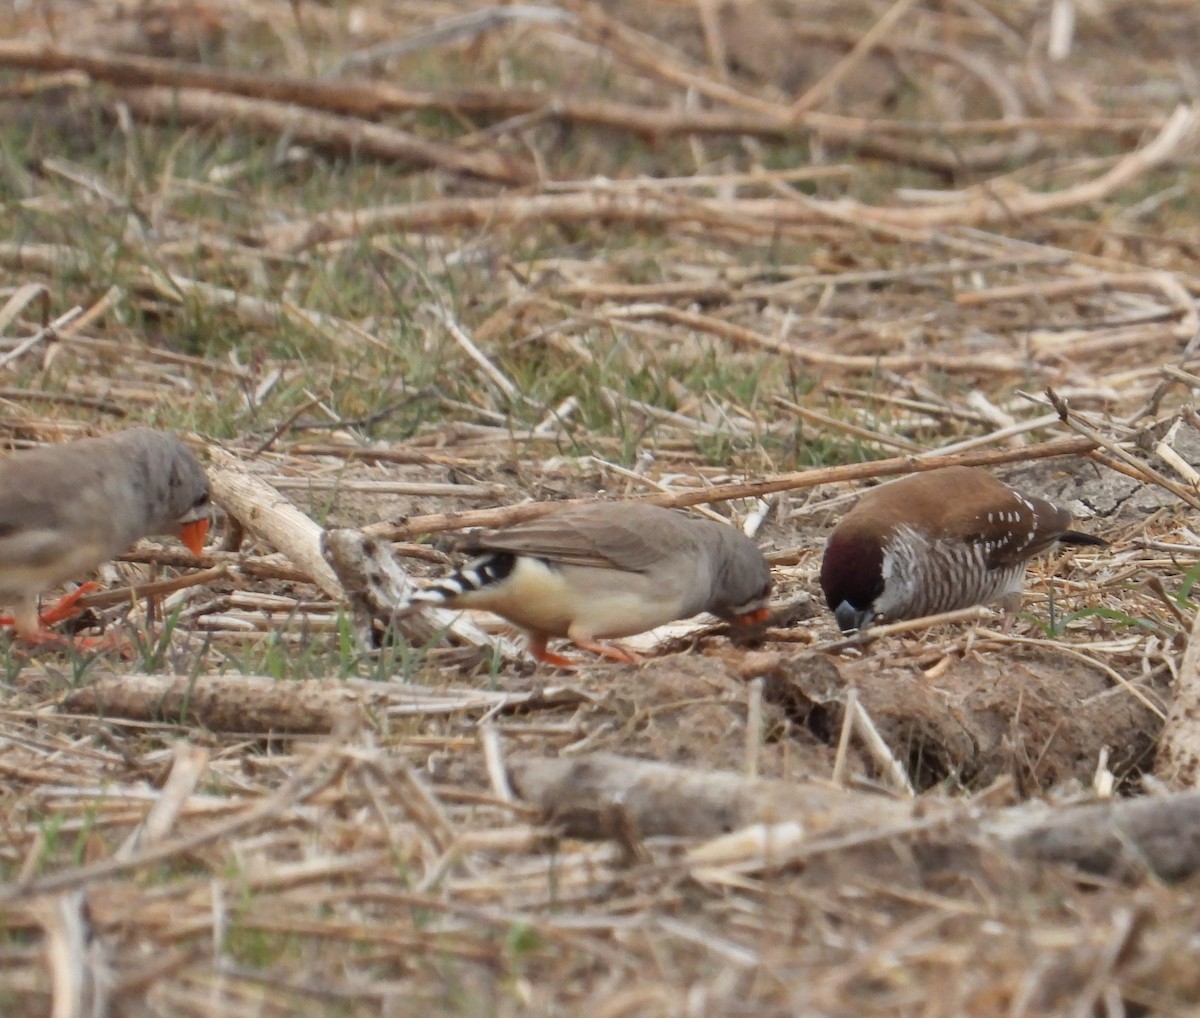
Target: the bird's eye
(201, 500)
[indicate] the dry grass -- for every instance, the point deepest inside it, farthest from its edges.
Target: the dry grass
(654, 249)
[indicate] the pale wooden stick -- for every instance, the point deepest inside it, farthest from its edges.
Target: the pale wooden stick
(81, 975)
(977, 401)
(658, 59)
(1058, 47)
(820, 89)
(666, 799)
(325, 130)
(874, 276)
(838, 777)
(434, 489)
(982, 207)
(649, 482)
(936, 410)
(1117, 678)
(188, 767)
(1103, 780)
(691, 425)
(1165, 282)
(706, 181)
(379, 454)
(857, 430)
(252, 703)
(999, 435)
(42, 334)
(21, 298)
(1167, 452)
(754, 724)
(258, 311)
(879, 750)
(492, 373)
(510, 209)
(741, 335)
(1177, 762)
(289, 792)
(446, 31)
(1073, 421)
(265, 512)
(493, 755)
(797, 481)
(420, 803)
(123, 595)
(873, 633)
(379, 589)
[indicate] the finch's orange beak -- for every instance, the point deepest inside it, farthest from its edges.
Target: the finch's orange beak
(754, 618)
(192, 534)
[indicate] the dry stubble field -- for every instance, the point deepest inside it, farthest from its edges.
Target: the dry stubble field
(404, 266)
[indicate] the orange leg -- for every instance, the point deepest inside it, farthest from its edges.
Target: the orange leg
(32, 628)
(109, 641)
(113, 640)
(537, 647)
(67, 607)
(610, 651)
(34, 637)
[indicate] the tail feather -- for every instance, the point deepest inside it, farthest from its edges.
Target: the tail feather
(1077, 537)
(475, 575)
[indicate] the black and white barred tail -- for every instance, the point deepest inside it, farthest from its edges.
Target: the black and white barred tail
(484, 571)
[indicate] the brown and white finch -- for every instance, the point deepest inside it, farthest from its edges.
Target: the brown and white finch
(608, 569)
(64, 509)
(934, 542)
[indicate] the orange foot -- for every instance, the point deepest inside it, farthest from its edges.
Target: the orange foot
(610, 651)
(36, 638)
(537, 647)
(111, 641)
(66, 607)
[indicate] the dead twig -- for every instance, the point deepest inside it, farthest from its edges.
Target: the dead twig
(1142, 469)
(817, 93)
(741, 489)
(290, 791)
(328, 131)
(265, 512)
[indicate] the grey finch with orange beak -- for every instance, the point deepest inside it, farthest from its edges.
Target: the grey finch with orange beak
(608, 569)
(65, 509)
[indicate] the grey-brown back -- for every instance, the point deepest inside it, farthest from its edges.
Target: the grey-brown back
(715, 566)
(109, 491)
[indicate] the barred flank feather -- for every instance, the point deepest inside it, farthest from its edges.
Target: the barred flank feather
(475, 575)
(936, 541)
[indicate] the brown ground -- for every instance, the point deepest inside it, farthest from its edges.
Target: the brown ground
(742, 259)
